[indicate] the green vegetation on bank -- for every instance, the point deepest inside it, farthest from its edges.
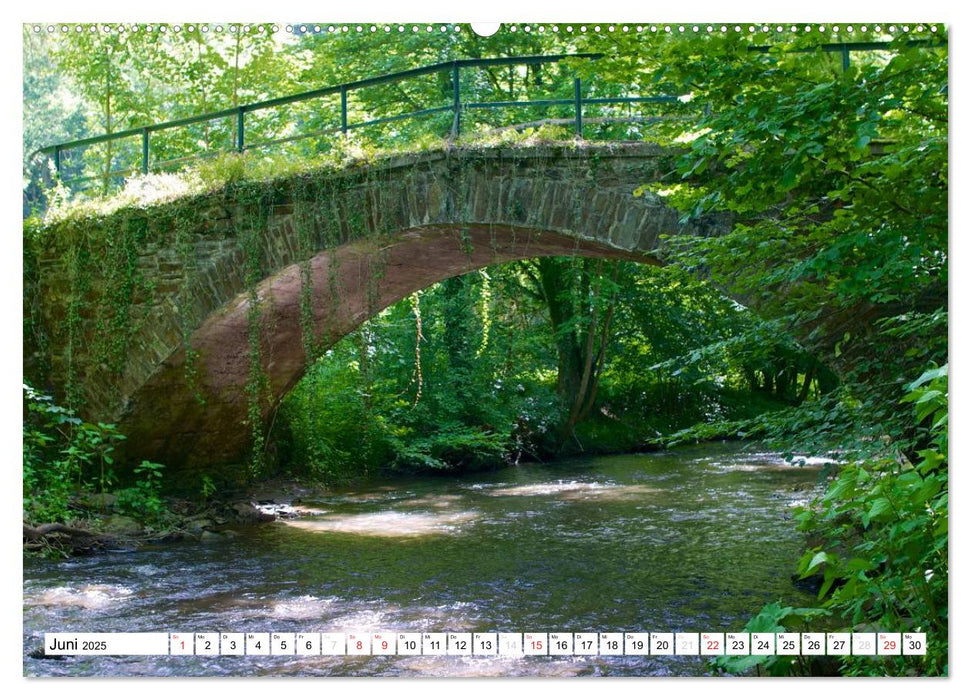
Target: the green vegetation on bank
(70, 473)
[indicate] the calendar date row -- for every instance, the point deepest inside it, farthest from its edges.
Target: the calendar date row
(487, 643)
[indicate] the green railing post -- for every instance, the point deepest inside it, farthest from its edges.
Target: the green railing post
(578, 109)
(145, 151)
(846, 57)
(57, 160)
(456, 102)
(343, 109)
(239, 130)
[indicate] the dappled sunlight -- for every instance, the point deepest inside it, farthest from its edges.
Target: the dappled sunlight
(363, 619)
(368, 497)
(489, 552)
(382, 615)
(139, 191)
(250, 607)
(756, 467)
(222, 602)
(455, 617)
(304, 511)
(767, 461)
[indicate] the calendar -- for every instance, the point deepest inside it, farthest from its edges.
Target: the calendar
(484, 644)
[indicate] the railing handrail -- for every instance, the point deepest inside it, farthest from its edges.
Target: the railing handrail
(455, 104)
(319, 92)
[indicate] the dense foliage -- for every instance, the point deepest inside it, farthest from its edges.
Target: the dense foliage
(837, 181)
(68, 463)
(490, 367)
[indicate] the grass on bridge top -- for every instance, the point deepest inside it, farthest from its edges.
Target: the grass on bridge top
(207, 176)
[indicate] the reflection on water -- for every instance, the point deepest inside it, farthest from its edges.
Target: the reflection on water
(690, 540)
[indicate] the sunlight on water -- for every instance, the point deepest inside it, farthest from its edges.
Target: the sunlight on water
(435, 501)
(306, 511)
(383, 495)
(305, 607)
(576, 490)
(767, 462)
(454, 617)
(240, 607)
(388, 523)
(372, 619)
(88, 597)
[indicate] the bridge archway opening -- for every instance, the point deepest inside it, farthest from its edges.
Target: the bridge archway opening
(326, 298)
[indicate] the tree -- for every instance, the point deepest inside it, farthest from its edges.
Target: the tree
(97, 62)
(837, 183)
(50, 115)
(383, 52)
(580, 297)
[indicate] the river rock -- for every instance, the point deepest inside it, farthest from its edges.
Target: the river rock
(121, 525)
(277, 510)
(250, 512)
(246, 512)
(198, 524)
(98, 501)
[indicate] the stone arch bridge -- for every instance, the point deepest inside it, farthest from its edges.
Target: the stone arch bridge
(187, 322)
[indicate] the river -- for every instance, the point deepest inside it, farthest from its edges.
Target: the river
(694, 539)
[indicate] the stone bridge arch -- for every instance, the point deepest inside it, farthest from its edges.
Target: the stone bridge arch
(233, 287)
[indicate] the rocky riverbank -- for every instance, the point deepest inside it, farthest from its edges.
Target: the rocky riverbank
(99, 525)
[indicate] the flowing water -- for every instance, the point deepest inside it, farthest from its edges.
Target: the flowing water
(689, 540)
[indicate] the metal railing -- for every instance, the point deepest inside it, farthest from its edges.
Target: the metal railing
(453, 70)
(456, 106)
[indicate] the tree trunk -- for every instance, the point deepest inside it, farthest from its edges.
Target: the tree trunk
(807, 383)
(572, 298)
(106, 183)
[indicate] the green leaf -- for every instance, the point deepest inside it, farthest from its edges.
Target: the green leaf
(879, 507)
(816, 561)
